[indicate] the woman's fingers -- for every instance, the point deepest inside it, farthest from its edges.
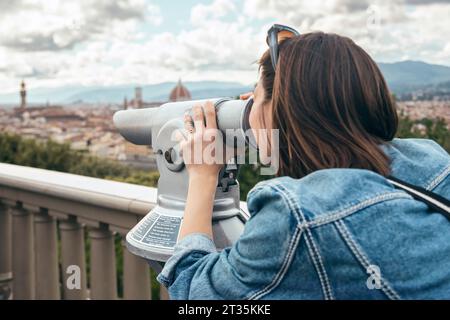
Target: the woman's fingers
(245, 96)
(199, 118)
(210, 115)
(188, 123)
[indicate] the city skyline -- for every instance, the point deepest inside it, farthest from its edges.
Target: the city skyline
(67, 43)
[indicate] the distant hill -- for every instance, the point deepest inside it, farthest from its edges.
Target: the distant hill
(160, 91)
(410, 75)
(116, 94)
(402, 77)
(439, 91)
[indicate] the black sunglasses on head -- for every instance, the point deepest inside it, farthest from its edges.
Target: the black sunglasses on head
(276, 34)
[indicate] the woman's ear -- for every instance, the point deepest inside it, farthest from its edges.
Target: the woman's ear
(267, 115)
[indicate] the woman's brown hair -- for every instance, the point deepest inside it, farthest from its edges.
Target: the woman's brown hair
(330, 103)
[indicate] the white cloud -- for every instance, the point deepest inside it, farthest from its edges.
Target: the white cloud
(56, 24)
(103, 42)
(389, 30)
(211, 49)
(203, 13)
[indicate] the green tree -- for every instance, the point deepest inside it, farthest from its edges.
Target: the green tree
(435, 129)
(60, 157)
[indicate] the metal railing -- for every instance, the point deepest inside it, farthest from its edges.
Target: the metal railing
(46, 219)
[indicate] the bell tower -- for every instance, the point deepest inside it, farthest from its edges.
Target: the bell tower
(138, 102)
(23, 95)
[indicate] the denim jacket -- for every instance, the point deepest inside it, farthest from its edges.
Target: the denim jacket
(334, 234)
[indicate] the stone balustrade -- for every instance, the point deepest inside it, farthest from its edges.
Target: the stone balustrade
(55, 225)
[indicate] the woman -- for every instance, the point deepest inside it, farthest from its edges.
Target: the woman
(330, 226)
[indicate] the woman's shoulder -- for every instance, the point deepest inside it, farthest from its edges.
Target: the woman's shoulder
(420, 162)
(416, 151)
(417, 146)
(326, 193)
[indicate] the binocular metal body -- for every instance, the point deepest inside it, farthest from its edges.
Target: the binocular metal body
(155, 236)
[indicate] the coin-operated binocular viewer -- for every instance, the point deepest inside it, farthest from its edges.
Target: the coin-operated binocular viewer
(155, 236)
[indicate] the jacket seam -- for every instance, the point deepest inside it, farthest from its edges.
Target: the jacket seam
(260, 187)
(284, 196)
(283, 270)
(363, 258)
(312, 248)
(164, 280)
(169, 280)
(325, 290)
(342, 213)
(306, 225)
(440, 177)
(287, 258)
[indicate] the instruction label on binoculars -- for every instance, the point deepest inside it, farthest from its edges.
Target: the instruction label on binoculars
(158, 230)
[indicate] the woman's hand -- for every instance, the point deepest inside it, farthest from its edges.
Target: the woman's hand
(245, 96)
(202, 147)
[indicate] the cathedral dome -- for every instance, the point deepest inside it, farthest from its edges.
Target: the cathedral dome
(179, 93)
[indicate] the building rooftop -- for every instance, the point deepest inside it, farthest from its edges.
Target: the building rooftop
(179, 93)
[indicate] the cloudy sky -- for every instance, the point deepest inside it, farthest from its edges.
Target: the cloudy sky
(53, 43)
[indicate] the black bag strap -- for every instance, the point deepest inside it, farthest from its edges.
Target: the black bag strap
(432, 199)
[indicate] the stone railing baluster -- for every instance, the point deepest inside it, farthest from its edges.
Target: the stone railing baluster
(103, 278)
(163, 293)
(136, 277)
(22, 253)
(46, 255)
(5, 253)
(73, 263)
